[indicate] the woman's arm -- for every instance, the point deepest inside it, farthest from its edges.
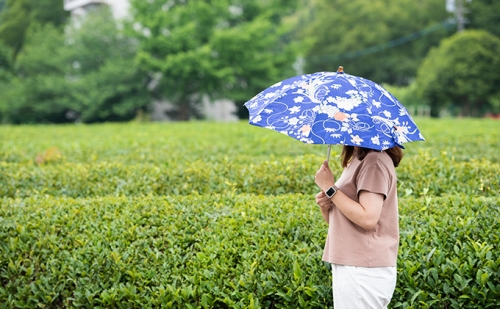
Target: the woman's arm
(366, 213)
(324, 204)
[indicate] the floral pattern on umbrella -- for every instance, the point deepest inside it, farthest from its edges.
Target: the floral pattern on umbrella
(334, 108)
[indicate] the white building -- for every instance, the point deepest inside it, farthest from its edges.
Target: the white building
(220, 110)
(81, 7)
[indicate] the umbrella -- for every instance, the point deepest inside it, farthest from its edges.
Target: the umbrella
(334, 108)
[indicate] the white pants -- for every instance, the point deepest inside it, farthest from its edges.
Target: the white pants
(361, 287)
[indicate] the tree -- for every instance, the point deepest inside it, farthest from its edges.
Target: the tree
(14, 24)
(38, 90)
(86, 73)
(18, 15)
(6, 73)
(229, 49)
(107, 84)
(485, 14)
(462, 73)
(381, 40)
(6, 63)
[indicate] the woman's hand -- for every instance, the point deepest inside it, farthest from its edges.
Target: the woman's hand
(324, 177)
(322, 200)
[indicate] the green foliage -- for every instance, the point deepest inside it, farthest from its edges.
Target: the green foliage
(176, 159)
(462, 73)
(230, 49)
(448, 257)
(485, 15)
(215, 251)
(183, 51)
(14, 24)
(6, 63)
(343, 27)
(107, 83)
(407, 95)
(19, 15)
(38, 90)
(86, 75)
(210, 215)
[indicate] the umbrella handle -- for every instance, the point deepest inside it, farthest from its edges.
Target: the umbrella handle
(328, 153)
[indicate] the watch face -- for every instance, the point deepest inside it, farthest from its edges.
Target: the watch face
(330, 192)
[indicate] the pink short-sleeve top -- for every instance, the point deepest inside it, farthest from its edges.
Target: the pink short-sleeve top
(350, 244)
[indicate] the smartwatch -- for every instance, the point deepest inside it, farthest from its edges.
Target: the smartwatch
(331, 191)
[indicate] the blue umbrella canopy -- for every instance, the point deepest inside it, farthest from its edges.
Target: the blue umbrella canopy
(334, 108)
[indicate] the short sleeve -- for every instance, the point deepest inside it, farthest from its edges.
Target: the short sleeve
(374, 176)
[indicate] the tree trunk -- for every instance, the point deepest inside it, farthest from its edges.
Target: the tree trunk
(184, 111)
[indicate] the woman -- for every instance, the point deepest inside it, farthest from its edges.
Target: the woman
(361, 209)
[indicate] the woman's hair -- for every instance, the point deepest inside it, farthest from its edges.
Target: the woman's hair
(348, 152)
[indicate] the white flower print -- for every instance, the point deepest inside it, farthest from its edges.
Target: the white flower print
(353, 93)
(293, 121)
(298, 99)
(401, 129)
(401, 133)
(364, 94)
(306, 129)
(375, 140)
(304, 85)
(377, 104)
(330, 110)
(346, 103)
(387, 114)
(267, 110)
(256, 118)
(294, 110)
(253, 105)
(270, 95)
(356, 139)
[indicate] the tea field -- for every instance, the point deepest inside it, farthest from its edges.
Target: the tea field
(222, 215)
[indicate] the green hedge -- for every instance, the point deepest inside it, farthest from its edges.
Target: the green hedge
(225, 251)
(460, 156)
(209, 215)
(230, 251)
(418, 175)
(449, 253)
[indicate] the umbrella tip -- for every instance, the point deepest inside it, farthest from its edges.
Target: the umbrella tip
(340, 69)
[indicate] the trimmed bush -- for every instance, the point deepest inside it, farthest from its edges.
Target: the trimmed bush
(230, 251)
(208, 215)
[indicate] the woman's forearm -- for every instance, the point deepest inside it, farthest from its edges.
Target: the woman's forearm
(366, 213)
(326, 213)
